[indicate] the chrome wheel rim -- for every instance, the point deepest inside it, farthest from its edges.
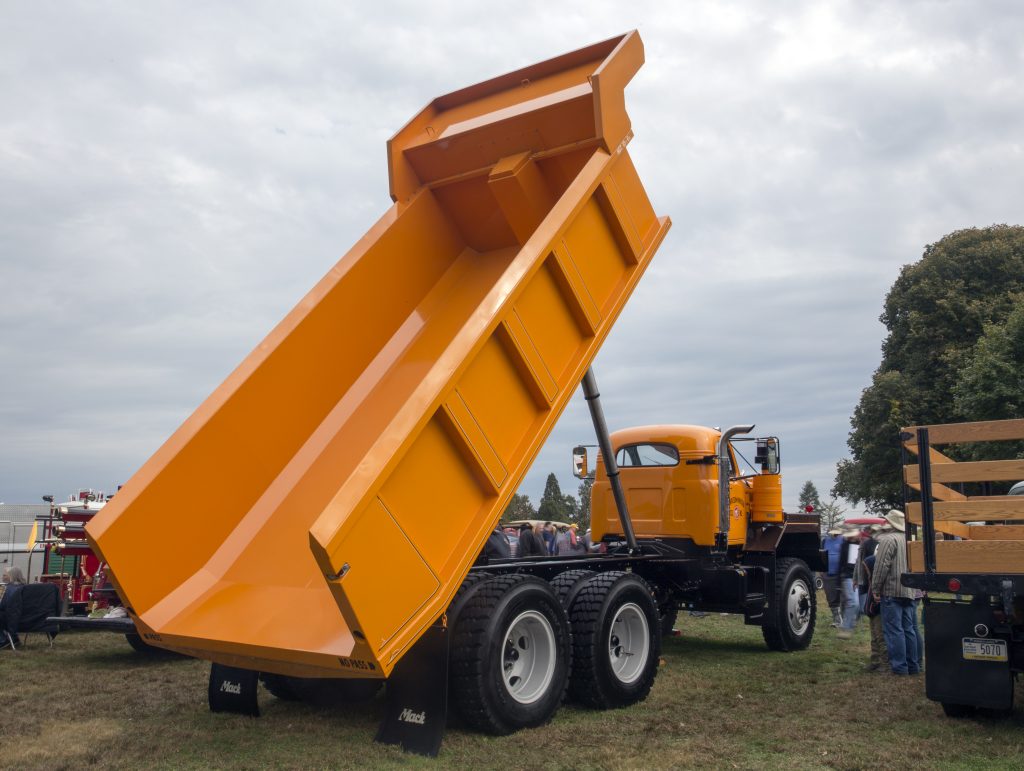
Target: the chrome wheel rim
(798, 607)
(629, 641)
(528, 658)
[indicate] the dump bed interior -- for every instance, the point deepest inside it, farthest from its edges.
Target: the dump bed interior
(344, 477)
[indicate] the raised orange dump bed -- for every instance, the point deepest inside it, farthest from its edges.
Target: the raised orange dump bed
(344, 478)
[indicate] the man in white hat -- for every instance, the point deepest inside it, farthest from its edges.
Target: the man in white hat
(899, 626)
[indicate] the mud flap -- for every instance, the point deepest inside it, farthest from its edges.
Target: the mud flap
(234, 690)
(417, 696)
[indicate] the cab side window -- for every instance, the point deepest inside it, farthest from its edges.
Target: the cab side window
(647, 455)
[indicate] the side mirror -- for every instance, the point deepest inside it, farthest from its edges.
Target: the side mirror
(767, 455)
(580, 469)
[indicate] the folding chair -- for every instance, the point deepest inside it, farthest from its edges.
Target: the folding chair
(28, 612)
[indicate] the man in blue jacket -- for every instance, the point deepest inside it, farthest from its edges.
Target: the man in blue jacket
(832, 544)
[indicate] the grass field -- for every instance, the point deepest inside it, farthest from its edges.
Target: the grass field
(721, 700)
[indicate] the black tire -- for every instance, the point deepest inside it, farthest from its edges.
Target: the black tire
(510, 654)
(789, 620)
(610, 610)
(321, 691)
(141, 646)
(958, 710)
(280, 686)
(568, 584)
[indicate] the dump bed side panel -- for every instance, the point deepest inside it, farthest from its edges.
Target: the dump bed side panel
(517, 367)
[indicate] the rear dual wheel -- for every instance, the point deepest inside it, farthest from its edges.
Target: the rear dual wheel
(510, 654)
(616, 632)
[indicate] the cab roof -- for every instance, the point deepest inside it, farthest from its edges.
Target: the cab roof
(688, 439)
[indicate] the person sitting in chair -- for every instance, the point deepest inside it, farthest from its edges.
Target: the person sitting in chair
(14, 582)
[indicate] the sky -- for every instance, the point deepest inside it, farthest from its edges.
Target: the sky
(173, 181)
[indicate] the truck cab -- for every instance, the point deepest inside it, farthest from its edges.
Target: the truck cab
(670, 477)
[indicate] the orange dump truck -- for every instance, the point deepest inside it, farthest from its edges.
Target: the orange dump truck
(351, 469)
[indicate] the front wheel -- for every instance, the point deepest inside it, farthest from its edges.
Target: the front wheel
(789, 619)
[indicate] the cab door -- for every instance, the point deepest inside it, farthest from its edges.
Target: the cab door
(646, 471)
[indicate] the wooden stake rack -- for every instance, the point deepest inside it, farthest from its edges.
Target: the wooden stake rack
(963, 533)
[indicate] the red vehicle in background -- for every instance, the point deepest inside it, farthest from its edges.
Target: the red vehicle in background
(68, 561)
(90, 601)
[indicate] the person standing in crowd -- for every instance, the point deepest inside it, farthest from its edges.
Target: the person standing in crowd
(879, 660)
(847, 565)
(916, 603)
(529, 545)
(562, 541)
(497, 545)
(14, 581)
(867, 548)
(899, 625)
(548, 534)
(832, 544)
(576, 545)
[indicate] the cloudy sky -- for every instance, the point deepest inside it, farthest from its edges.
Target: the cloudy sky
(174, 178)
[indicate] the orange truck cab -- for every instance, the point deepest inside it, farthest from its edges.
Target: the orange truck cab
(733, 553)
(670, 477)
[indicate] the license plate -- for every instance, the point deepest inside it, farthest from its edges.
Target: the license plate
(980, 649)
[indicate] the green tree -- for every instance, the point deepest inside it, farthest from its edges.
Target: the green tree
(832, 515)
(809, 496)
(872, 475)
(554, 505)
(935, 313)
(572, 508)
(519, 508)
(585, 489)
(991, 383)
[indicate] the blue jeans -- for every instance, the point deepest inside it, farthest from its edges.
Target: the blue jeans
(850, 607)
(899, 627)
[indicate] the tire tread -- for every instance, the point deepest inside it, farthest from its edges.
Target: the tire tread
(469, 646)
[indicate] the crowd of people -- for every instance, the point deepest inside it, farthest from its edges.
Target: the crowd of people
(538, 540)
(863, 579)
(534, 539)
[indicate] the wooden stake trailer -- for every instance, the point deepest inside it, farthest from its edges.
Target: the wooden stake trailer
(970, 559)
